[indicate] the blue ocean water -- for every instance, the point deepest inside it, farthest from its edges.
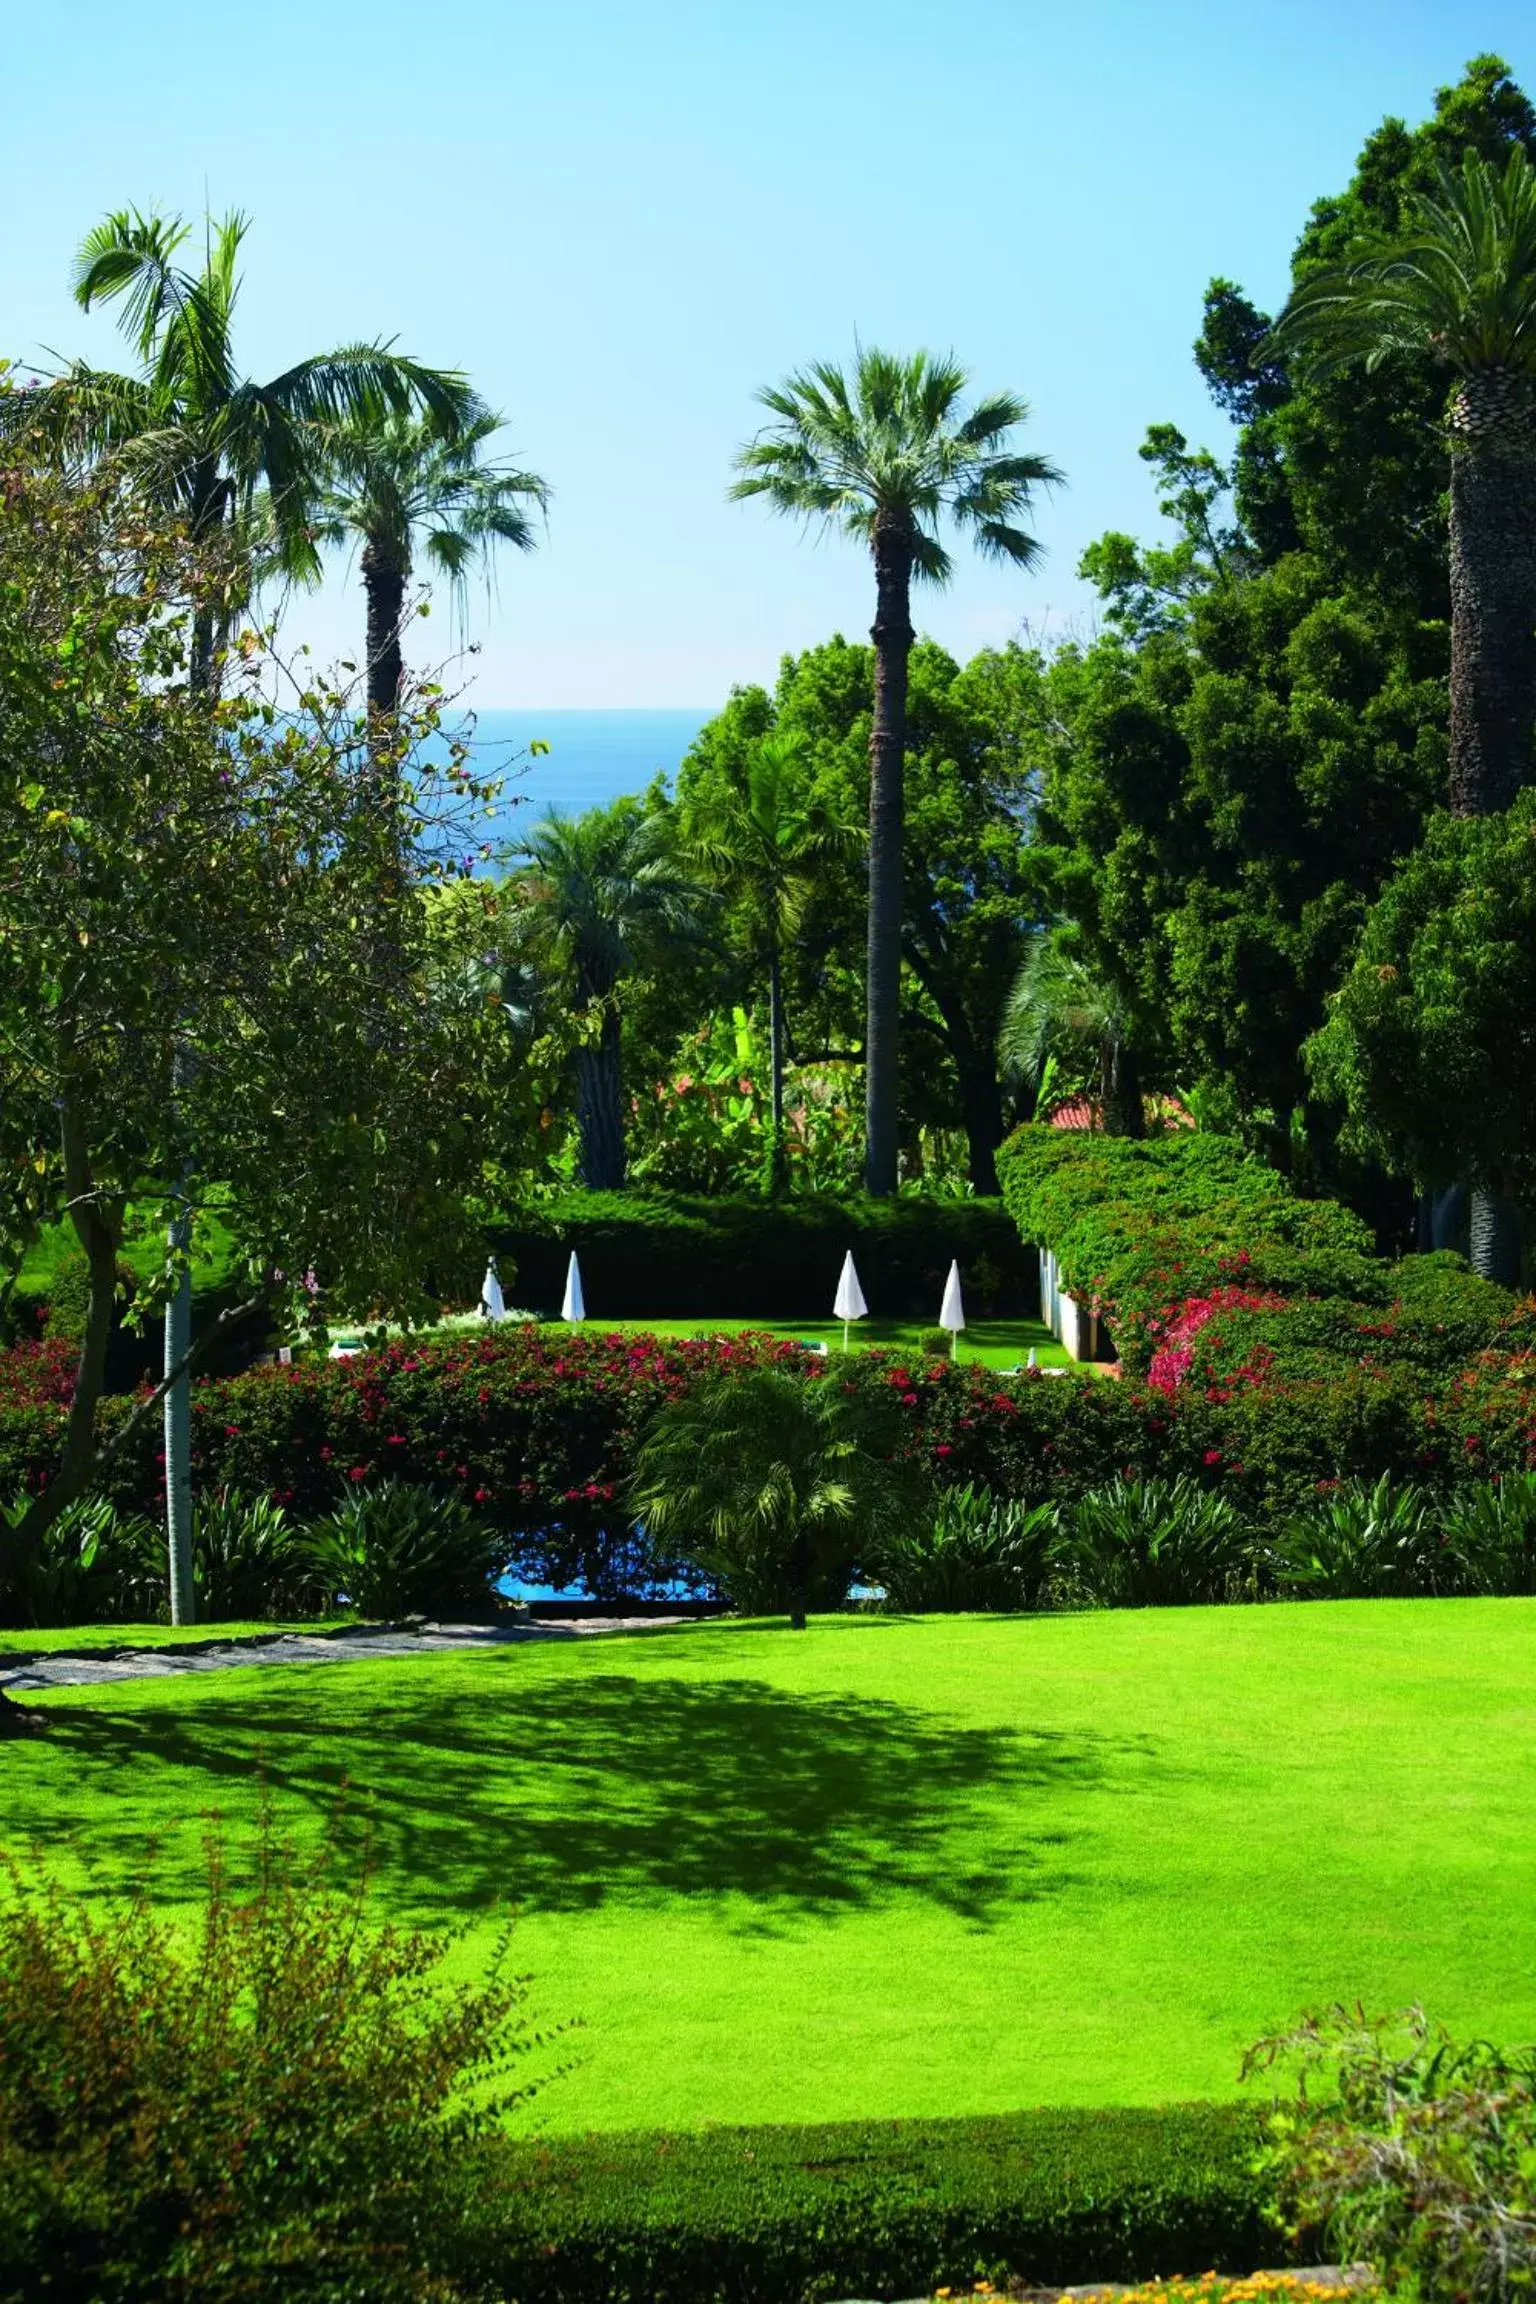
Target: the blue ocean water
(593, 757)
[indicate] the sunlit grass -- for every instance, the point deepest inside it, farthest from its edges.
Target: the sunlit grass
(893, 1867)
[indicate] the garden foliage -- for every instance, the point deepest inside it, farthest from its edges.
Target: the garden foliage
(1409, 2148)
(283, 2102)
(537, 1430)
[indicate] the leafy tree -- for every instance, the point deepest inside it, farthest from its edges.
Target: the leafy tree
(1230, 771)
(969, 890)
(775, 1484)
(1430, 1043)
(593, 898)
(392, 479)
(1455, 280)
(761, 843)
(207, 444)
(193, 904)
(1058, 1002)
(886, 456)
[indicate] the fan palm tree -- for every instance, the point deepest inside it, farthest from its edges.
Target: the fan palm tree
(1057, 998)
(394, 478)
(224, 453)
(594, 894)
(774, 1484)
(886, 455)
(762, 844)
(1457, 283)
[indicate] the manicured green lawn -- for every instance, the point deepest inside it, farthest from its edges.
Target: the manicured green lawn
(996, 1343)
(887, 1866)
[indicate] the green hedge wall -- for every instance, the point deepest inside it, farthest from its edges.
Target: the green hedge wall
(660, 1256)
(790, 2215)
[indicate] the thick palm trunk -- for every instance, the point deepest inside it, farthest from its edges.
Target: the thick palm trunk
(1493, 660)
(1495, 1246)
(384, 590)
(892, 636)
(1121, 1097)
(1493, 591)
(774, 1176)
(600, 1108)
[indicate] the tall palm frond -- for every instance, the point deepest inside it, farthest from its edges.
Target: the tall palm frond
(893, 443)
(1457, 281)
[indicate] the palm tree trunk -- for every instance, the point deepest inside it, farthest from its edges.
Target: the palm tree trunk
(600, 1108)
(1493, 660)
(1124, 1111)
(799, 1582)
(1494, 1250)
(384, 589)
(1493, 590)
(891, 633)
(774, 1177)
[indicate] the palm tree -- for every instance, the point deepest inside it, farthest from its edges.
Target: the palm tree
(595, 893)
(775, 1484)
(1057, 998)
(761, 844)
(393, 478)
(1457, 283)
(227, 455)
(886, 456)
(234, 460)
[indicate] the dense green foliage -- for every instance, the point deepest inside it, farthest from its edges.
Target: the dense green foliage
(1408, 2148)
(289, 2104)
(1233, 767)
(1428, 1040)
(779, 2215)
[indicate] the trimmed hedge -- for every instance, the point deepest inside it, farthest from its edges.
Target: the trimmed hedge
(1214, 1276)
(791, 2215)
(662, 1256)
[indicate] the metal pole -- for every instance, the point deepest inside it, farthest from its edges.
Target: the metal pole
(178, 1431)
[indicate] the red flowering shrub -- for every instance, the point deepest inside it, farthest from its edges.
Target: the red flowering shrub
(35, 1373)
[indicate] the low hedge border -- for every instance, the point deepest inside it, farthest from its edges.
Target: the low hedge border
(793, 2215)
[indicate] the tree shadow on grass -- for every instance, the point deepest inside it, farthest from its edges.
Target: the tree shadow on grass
(571, 1793)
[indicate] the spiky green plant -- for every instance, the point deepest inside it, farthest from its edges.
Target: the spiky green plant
(777, 1486)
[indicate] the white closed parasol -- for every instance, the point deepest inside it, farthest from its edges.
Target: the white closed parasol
(848, 1304)
(952, 1311)
(492, 1302)
(574, 1307)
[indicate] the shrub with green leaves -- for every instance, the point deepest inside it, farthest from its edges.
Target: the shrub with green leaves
(280, 2101)
(779, 2215)
(777, 1487)
(1362, 1541)
(1408, 2148)
(978, 1550)
(92, 1563)
(1155, 1544)
(1488, 1530)
(245, 1558)
(396, 1550)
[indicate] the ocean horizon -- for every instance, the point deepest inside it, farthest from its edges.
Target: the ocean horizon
(594, 756)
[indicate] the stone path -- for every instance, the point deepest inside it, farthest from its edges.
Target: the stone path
(20, 1674)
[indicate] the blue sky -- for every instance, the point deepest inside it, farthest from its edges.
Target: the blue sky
(622, 216)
